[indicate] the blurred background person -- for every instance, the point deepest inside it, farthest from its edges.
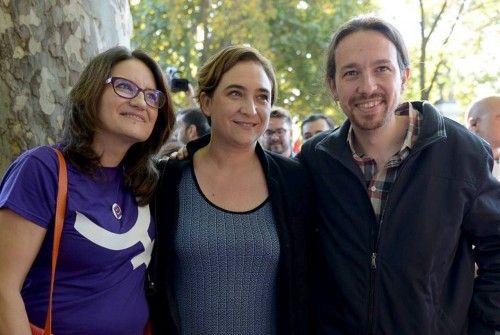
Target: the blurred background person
(190, 124)
(170, 147)
(278, 135)
(484, 121)
(314, 124)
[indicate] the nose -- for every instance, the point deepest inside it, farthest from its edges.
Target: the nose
(139, 101)
(248, 107)
(274, 135)
(367, 84)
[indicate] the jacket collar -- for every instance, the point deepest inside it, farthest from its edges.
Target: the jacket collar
(432, 129)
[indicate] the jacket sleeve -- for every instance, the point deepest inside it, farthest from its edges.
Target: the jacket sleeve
(482, 225)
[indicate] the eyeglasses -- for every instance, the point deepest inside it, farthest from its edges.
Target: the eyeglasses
(129, 90)
(280, 132)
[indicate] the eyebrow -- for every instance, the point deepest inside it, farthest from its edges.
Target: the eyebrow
(377, 62)
(243, 88)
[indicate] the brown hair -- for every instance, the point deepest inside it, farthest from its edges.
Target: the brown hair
(363, 23)
(81, 122)
(210, 74)
(281, 113)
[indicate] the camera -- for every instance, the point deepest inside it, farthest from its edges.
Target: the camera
(175, 82)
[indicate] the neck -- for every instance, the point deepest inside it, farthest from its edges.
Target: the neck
(111, 153)
(382, 143)
(288, 152)
(225, 156)
(496, 153)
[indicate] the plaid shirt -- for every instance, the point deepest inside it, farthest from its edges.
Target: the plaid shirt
(379, 182)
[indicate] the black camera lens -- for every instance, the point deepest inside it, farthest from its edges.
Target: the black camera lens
(179, 85)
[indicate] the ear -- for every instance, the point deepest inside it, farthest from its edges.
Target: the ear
(472, 124)
(192, 132)
(405, 75)
(205, 103)
(333, 89)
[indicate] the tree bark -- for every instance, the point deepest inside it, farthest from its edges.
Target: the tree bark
(44, 46)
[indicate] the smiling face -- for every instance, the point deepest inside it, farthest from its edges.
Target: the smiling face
(124, 122)
(278, 136)
(240, 105)
(368, 83)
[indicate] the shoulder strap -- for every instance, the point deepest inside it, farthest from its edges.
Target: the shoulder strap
(62, 195)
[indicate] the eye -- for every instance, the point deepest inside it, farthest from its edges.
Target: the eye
(234, 93)
(125, 86)
(281, 131)
(152, 96)
(383, 68)
(350, 73)
(264, 97)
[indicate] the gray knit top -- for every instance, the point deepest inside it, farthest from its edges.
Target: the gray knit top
(226, 266)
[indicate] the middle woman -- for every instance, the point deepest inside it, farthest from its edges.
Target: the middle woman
(230, 256)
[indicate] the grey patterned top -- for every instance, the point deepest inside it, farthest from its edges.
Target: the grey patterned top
(226, 266)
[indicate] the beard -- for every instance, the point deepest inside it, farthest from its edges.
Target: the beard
(371, 123)
(278, 147)
(365, 120)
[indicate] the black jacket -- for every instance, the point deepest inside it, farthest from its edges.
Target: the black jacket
(291, 205)
(414, 272)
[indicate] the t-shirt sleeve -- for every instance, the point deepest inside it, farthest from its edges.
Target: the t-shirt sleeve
(29, 186)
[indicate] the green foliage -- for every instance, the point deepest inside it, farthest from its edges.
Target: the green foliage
(461, 51)
(292, 34)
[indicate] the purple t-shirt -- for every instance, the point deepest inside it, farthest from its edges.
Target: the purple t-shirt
(103, 255)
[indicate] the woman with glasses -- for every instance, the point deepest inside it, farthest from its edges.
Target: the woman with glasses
(233, 221)
(118, 115)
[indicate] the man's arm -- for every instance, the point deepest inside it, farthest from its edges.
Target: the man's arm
(482, 225)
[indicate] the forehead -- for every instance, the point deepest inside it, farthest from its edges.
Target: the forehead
(316, 124)
(134, 70)
(278, 122)
(494, 106)
(247, 74)
(364, 47)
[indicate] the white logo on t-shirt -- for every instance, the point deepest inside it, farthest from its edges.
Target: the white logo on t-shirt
(114, 241)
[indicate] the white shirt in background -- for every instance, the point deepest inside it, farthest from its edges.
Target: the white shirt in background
(496, 169)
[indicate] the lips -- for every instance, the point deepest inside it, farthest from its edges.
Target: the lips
(368, 104)
(135, 116)
(245, 124)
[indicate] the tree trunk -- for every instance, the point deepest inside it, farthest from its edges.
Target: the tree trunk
(44, 45)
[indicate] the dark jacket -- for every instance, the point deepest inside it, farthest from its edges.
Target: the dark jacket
(412, 273)
(291, 205)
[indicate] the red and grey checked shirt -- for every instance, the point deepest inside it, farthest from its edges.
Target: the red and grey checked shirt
(379, 181)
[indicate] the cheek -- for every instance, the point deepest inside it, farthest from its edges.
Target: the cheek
(265, 113)
(109, 104)
(154, 116)
(345, 92)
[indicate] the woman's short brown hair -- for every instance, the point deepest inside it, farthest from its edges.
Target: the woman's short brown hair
(210, 74)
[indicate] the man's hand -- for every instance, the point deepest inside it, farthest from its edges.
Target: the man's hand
(180, 154)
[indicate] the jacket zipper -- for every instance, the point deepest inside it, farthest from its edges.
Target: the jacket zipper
(374, 254)
(370, 329)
